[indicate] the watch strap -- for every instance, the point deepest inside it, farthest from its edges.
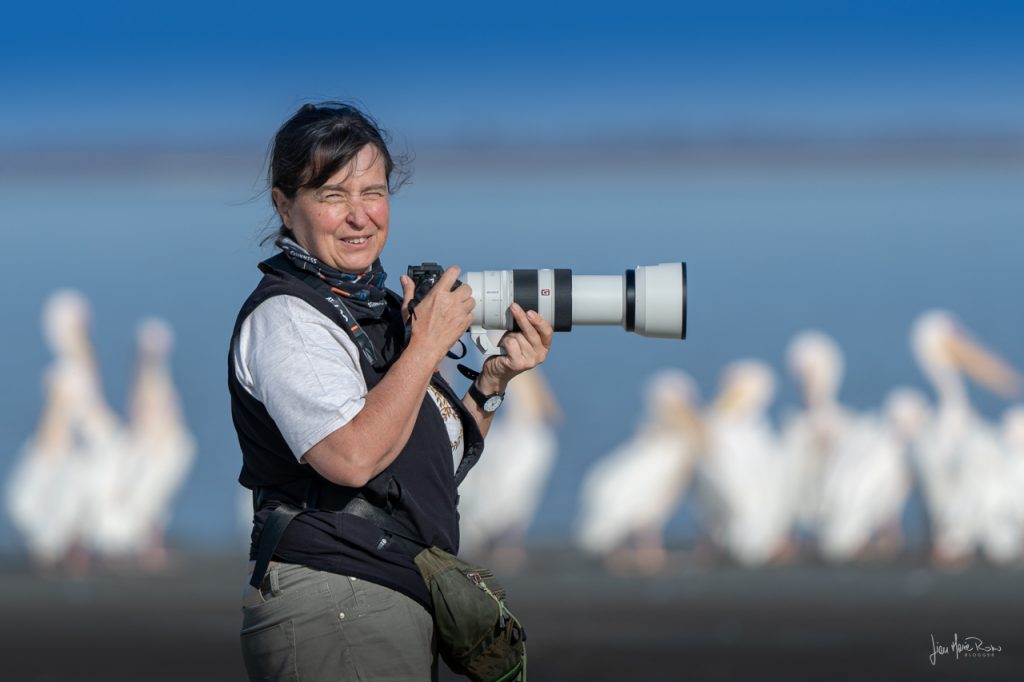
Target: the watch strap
(479, 397)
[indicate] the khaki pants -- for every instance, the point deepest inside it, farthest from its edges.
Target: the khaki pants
(305, 625)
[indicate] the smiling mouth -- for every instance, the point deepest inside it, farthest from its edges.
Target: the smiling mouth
(356, 241)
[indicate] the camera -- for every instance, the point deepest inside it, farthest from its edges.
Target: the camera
(425, 276)
(647, 300)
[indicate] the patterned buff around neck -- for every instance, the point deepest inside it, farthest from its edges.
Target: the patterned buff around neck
(363, 294)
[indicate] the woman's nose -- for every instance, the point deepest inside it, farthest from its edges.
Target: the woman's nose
(357, 216)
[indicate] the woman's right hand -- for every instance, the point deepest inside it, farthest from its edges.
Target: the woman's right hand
(443, 315)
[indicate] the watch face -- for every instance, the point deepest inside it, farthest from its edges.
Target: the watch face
(492, 403)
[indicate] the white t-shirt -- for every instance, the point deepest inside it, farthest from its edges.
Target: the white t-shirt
(305, 370)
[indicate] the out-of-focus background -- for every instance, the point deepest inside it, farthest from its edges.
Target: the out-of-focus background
(841, 167)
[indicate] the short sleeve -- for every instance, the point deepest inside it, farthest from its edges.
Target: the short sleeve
(302, 367)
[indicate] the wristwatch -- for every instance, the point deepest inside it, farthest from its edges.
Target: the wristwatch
(488, 403)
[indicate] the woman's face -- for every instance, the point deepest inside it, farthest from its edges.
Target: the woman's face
(344, 222)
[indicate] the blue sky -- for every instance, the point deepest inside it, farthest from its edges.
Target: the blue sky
(188, 72)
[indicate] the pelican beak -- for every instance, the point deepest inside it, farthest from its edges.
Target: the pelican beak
(551, 406)
(984, 366)
(695, 427)
(537, 394)
(730, 400)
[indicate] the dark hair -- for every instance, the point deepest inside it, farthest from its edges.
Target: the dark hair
(318, 140)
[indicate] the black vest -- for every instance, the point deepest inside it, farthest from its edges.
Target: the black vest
(420, 486)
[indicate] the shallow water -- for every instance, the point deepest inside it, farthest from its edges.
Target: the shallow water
(857, 251)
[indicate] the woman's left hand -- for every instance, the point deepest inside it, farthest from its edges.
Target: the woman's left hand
(524, 349)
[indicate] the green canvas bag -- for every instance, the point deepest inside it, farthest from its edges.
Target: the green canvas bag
(477, 634)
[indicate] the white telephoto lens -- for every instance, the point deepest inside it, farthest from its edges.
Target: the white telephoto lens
(650, 300)
(599, 300)
(661, 301)
(492, 292)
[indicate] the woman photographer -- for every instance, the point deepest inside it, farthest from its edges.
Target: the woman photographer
(335, 394)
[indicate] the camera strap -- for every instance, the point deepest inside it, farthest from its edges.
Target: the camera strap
(451, 354)
(333, 296)
(359, 335)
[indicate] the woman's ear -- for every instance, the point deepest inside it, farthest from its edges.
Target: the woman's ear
(281, 203)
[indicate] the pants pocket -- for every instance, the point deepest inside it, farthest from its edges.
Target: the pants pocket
(269, 653)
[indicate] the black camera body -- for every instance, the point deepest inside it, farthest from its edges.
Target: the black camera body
(425, 276)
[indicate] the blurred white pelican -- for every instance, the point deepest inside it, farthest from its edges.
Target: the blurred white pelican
(49, 493)
(156, 454)
(1006, 544)
(747, 483)
(959, 454)
(630, 494)
(501, 494)
(999, 490)
(867, 482)
(811, 437)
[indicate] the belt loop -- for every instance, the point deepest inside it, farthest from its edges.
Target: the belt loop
(275, 580)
